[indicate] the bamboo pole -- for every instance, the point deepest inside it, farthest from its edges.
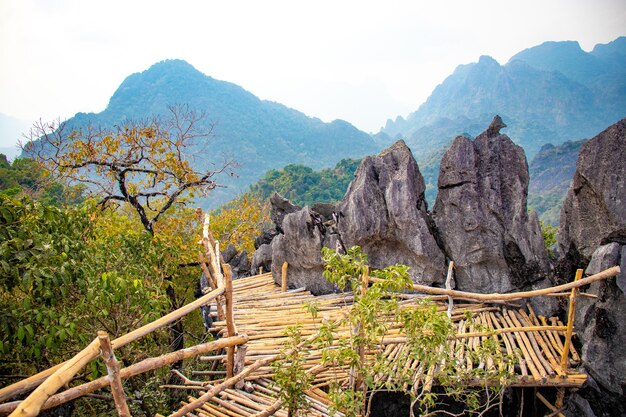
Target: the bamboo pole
(284, 284)
(555, 411)
(570, 321)
(230, 321)
(229, 382)
(240, 363)
(213, 283)
(31, 406)
(27, 384)
(113, 368)
(611, 272)
(449, 287)
(135, 369)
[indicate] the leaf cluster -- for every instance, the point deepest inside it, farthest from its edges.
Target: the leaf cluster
(148, 165)
(427, 329)
(240, 221)
(24, 177)
(303, 186)
(290, 374)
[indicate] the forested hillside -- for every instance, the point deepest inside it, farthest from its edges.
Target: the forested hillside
(258, 135)
(304, 186)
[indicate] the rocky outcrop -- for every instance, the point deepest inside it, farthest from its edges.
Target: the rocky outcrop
(593, 233)
(384, 211)
(300, 246)
(601, 323)
(481, 215)
(238, 261)
(594, 210)
(262, 259)
(280, 207)
(262, 256)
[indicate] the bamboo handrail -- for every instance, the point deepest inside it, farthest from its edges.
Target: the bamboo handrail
(229, 382)
(230, 322)
(611, 272)
(27, 384)
(32, 404)
(135, 369)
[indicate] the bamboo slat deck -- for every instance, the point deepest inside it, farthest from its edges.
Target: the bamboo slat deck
(262, 311)
(235, 402)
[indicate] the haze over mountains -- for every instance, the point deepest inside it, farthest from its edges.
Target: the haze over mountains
(547, 94)
(259, 135)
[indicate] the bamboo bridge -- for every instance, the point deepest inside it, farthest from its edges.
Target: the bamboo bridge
(253, 314)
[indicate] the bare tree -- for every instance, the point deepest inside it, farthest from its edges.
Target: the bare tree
(147, 165)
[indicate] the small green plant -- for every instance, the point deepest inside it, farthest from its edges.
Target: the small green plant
(549, 236)
(290, 374)
(374, 311)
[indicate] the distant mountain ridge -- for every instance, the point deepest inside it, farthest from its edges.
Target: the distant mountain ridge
(260, 135)
(546, 94)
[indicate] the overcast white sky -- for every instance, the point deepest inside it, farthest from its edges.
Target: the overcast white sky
(362, 61)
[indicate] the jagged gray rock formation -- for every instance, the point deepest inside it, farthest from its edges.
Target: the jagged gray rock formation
(300, 246)
(385, 213)
(594, 210)
(593, 233)
(482, 217)
(280, 208)
(600, 324)
(262, 258)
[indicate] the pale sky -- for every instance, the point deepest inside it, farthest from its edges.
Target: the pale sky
(357, 60)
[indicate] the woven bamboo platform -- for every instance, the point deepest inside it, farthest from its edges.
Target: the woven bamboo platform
(262, 398)
(262, 311)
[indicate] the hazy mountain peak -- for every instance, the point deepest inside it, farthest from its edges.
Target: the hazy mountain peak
(487, 60)
(259, 135)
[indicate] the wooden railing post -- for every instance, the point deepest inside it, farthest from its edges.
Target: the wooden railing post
(212, 283)
(240, 363)
(570, 322)
(449, 287)
(284, 283)
(230, 321)
(113, 368)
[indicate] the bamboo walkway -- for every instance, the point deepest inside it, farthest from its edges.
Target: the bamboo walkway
(262, 311)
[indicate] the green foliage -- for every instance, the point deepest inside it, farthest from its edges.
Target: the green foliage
(427, 330)
(290, 374)
(240, 221)
(65, 275)
(24, 177)
(549, 234)
(303, 186)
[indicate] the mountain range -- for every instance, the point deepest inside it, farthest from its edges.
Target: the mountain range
(548, 94)
(259, 135)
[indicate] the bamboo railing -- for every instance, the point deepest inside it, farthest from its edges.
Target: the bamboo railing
(48, 382)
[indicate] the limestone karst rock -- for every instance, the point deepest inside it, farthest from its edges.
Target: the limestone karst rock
(300, 246)
(600, 322)
(593, 233)
(384, 211)
(594, 210)
(482, 218)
